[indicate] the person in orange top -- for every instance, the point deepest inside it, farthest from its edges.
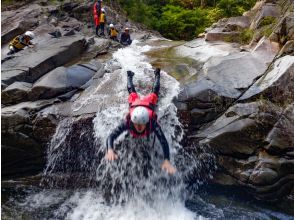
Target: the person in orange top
(97, 12)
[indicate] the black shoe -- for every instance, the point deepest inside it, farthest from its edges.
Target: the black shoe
(130, 73)
(157, 71)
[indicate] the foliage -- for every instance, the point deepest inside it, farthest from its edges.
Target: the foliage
(246, 35)
(182, 19)
(267, 21)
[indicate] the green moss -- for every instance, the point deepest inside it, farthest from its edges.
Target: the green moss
(267, 21)
(246, 36)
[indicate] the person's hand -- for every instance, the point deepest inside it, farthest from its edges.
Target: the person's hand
(110, 155)
(167, 167)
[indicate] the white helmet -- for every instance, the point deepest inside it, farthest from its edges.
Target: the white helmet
(30, 34)
(103, 10)
(140, 115)
(111, 25)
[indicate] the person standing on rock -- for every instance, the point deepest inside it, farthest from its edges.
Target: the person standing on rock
(97, 12)
(102, 21)
(112, 33)
(20, 42)
(141, 121)
(125, 38)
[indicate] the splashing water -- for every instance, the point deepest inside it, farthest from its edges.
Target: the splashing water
(134, 186)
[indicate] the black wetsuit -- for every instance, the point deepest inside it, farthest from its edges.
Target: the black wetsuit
(127, 124)
(155, 128)
(125, 39)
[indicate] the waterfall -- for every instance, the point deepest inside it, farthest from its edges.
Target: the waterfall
(134, 186)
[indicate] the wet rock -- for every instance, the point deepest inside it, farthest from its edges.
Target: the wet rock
(223, 80)
(55, 34)
(70, 33)
(43, 58)
(53, 21)
(220, 35)
(69, 6)
(24, 140)
(277, 85)
(281, 137)
(44, 2)
(239, 131)
(267, 10)
(284, 31)
(17, 22)
(61, 80)
(288, 49)
(16, 92)
(237, 23)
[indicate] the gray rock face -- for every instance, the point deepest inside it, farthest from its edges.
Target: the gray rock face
(44, 58)
(227, 30)
(281, 137)
(21, 145)
(62, 80)
(16, 92)
(267, 10)
(222, 80)
(17, 22)
(238, 131)
(243, 138)
(277, 85)
(285, 30)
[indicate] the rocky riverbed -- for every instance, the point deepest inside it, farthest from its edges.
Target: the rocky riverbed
(235, 102)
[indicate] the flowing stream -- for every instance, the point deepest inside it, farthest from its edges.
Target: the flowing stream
(133, 187)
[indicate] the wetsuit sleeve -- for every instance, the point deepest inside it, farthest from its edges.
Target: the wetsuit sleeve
(160, 135)
(115, 133)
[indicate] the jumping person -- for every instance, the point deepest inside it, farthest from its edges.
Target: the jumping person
(141, 121)
(20, 42)
(97, 12)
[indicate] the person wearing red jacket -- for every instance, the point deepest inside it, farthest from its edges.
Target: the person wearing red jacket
(97, 13)
(141, 121)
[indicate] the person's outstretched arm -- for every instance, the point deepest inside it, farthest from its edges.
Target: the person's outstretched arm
(110, 154)
(166, 165)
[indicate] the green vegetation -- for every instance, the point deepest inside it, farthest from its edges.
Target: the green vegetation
(182, 19)
(246, 35)
(267, 21)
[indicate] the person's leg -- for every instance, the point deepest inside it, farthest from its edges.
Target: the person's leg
(97, 29)
(102, 28)
(130, 85)
(156, 85)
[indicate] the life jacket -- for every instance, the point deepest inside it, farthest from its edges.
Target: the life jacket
(113, 32)
(152, 117)
(102, 18)
(17, 43)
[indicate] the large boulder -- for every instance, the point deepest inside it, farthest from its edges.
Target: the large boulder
(277, 84)
(222, 80)
(251, 149)
(42, 59)
(22, 146)
(285, 29)
(17, 22)
(267, 10)
(16, 92)
(240, 129)
(281, 137)
(62, 80)
(227, 29)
